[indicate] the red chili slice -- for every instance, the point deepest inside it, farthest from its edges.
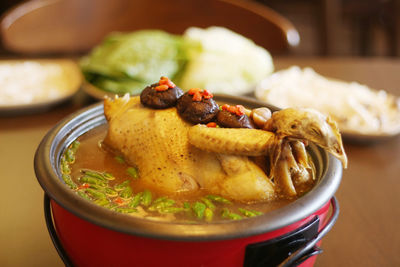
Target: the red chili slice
(162, 87)
(197, 96)
(84, 186)
(164, 84)
(239, 110)
(166, 81)
(207, 94)
(119, 200)
(192, 91)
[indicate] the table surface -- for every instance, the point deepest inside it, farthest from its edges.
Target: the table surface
(366, 233)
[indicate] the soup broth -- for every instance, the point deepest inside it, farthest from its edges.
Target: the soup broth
(103, 177)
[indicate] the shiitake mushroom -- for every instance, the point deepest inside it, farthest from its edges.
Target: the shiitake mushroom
(195, 106)
(152, 97)
(230, 120)
(200, 110)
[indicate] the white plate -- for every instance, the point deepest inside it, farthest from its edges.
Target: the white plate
(67, 69)
(372, 115)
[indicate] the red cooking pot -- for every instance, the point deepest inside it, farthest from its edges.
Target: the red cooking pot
(85, 234)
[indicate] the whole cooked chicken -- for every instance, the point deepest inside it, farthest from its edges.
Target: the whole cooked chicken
(180, 147)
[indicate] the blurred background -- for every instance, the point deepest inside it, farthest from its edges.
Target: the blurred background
(343, 27)
(333, 27)
(350, 40)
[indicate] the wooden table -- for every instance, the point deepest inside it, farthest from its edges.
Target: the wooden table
(366, 233)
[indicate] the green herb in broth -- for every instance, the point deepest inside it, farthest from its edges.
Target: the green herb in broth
(108, 176)
(249, 213)
(92, 180)
(122, 186)
(95, 174)
(133, 172)
(208, 214)
(208, 203)
(146, 197)
(118, 194)
(119, 159)
(198, 209)
(67, 158)
(136, 200)
(110, 192)
(68, 181)
(64, 166)
(95, 194)
(218, 199)
(226, 213)
(126, 193)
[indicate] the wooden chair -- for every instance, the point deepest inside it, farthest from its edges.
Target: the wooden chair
(43, 27)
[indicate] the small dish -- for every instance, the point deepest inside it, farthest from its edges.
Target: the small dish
(36, 85)
(363, 114)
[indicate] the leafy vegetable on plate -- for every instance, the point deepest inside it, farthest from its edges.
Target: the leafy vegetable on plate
(215, 58)
(127, 62)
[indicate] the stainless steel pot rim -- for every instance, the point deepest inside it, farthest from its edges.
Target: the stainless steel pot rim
(49, 151)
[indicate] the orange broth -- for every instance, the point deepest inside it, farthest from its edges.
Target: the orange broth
(92, 155)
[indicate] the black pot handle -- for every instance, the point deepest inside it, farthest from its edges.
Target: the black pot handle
(310, 249)
(53, 233)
